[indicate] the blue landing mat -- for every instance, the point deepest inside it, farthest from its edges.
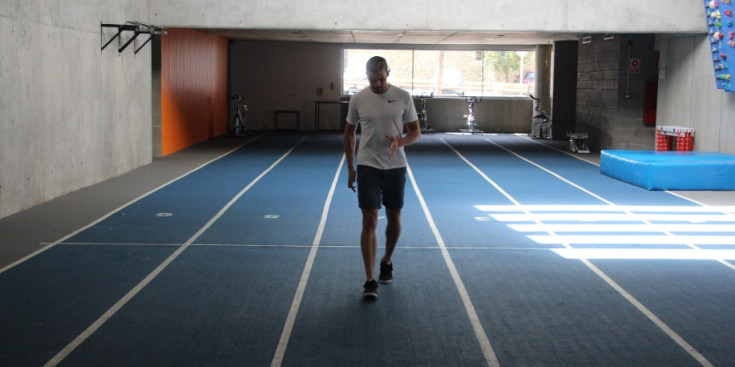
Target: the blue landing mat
(670, 170)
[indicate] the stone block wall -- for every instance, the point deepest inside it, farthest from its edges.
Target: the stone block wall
(610, 91)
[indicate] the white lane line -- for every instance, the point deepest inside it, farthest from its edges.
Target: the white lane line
(583, 158)
(645, 218)
(291, 318)
(487, 349)
(613, 208)
(643, 309)
(647, 221)
(598, 197)
(70, 235)
(133, 292)
(618, 228)
(308, 246)
(644, 254)
(650, 315)
(482, 174)
(646, 239)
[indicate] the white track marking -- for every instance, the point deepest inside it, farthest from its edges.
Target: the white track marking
(646, 218)
(613, 208)
(482, 174)
(650, 315)
(596, 228)
(634, 240)
(70, 235)
(643, 253)
(291, 318)
(133, 292)
(647, 221)
(598, 197)
(487, 349)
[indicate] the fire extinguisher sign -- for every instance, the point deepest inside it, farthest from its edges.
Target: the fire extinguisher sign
(635, 66)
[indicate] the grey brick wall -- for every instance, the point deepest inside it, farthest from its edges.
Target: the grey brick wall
(603, 81)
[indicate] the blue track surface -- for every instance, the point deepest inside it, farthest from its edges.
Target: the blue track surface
(505, 257)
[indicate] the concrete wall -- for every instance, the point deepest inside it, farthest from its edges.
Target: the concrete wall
(70, 115)
(654, 16)
(284, 76)
(275, 76)
(688, 96)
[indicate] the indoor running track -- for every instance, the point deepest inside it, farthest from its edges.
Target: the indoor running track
(512, 254)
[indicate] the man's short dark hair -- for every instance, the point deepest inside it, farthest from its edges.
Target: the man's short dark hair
(376, 64)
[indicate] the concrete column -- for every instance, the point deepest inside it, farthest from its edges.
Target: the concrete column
(542, 87)
(565, 88)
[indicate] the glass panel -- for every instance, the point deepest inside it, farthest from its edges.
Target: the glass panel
(508, 73)
(447, 72)
(399, 62)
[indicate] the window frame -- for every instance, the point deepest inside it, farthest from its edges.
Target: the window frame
(521, 90)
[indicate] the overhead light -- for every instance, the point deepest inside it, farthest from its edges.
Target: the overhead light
(608, 37)
(586, 40)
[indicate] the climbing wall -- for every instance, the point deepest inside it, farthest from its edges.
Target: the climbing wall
(722, 38)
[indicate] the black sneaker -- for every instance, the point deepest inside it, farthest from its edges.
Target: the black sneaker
(386, 273)
(371, 289)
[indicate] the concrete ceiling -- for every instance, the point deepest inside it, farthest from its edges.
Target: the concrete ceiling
(395, 37)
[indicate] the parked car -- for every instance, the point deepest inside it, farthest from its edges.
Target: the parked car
(530, 78)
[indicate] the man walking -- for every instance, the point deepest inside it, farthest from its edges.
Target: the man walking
(382, 110)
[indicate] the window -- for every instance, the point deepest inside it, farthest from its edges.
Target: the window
(446, 72)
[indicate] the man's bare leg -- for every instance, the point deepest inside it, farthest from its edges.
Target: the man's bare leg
(392, 233)
(368, 241)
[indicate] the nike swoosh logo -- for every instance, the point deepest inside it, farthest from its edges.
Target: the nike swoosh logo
(389, 101)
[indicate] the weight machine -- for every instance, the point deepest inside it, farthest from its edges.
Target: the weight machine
(423, 118)
(470, 116)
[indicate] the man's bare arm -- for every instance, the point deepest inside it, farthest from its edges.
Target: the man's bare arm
(413, 135)
(348, 140)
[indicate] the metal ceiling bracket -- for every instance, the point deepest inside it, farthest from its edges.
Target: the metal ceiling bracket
(131, 26)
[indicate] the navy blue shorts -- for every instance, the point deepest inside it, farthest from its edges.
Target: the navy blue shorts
(374, 184)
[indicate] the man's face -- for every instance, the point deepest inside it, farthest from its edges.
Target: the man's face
(378, 81)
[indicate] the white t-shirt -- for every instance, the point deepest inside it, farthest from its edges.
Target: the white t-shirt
(380, 115)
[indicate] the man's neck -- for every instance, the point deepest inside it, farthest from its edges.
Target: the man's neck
(385, 89)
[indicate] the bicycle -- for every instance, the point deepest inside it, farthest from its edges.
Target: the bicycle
(540, 123)
(470, 116)
(241, 111)
(423, 117)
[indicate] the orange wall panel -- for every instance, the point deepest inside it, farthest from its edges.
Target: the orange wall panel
(193, 88)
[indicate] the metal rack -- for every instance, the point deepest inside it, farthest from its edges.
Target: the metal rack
(137, 28)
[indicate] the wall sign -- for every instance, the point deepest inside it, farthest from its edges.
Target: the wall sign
(722, 40)
(635, 66)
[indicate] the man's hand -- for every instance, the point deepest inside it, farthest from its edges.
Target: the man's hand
(395, 142)
(351, 178)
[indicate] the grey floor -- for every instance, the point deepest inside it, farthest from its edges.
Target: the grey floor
(29, 231)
